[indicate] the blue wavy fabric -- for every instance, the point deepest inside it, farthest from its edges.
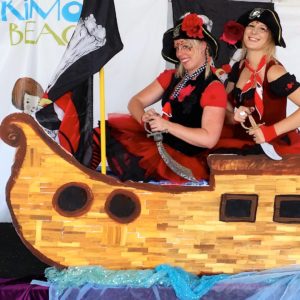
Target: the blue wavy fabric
(167, 282)
(273, 284)
(79, 282)
(188, 286)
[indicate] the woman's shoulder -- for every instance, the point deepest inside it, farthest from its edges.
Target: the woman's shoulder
(281, 82)
(167, 72)
(214, 95)
(215, 83)
(275, 70)
(165, 77)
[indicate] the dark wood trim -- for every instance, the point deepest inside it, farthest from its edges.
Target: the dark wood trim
(242, 197)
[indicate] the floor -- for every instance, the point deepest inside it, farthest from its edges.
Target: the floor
(15, 259)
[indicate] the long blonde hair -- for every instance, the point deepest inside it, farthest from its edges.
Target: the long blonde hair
(271, 48)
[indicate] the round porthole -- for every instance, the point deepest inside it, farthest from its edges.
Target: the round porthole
(72, 199)
(123, 206)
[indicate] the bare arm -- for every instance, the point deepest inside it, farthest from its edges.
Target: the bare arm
(229, 109)
(293, 121)
(149, 95)
(207, 136)
(289, 123)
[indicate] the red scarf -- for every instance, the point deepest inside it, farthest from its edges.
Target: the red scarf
(256, 81)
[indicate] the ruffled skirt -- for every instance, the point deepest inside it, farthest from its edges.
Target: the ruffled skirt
(127, 131)
(287, 144)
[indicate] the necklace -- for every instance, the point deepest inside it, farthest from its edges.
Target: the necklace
(185, 79)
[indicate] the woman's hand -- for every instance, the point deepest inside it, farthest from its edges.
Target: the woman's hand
(258, 136)
(241, 113)
(157, 123)
(148, 115)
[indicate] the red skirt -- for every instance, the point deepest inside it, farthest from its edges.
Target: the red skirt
(133, 137)
(287, 144)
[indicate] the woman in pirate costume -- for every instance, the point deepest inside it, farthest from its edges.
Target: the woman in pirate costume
(259, 86)
(193, 108)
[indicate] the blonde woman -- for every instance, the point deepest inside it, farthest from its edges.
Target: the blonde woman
(193, 105)
(259, 86)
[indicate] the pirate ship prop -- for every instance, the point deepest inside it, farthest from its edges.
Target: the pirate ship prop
(67, 215)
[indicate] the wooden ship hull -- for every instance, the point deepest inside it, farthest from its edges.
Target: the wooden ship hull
(68, 215)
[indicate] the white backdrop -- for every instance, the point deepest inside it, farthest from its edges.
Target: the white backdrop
(141, 25)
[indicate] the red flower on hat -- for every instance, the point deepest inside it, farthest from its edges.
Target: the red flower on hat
(192, 25)
(233, 32)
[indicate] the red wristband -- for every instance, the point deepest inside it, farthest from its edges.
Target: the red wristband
(268, 132)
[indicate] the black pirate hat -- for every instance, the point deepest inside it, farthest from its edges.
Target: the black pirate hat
(267, 16)
(190, 26)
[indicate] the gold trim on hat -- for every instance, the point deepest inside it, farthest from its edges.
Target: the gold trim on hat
(213, 39)
(261, 10)
(169, 58)
(203, 29)
(279, 26)
(176, 30)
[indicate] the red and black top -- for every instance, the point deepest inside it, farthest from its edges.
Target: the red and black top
(187, 110)
(275, 95)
